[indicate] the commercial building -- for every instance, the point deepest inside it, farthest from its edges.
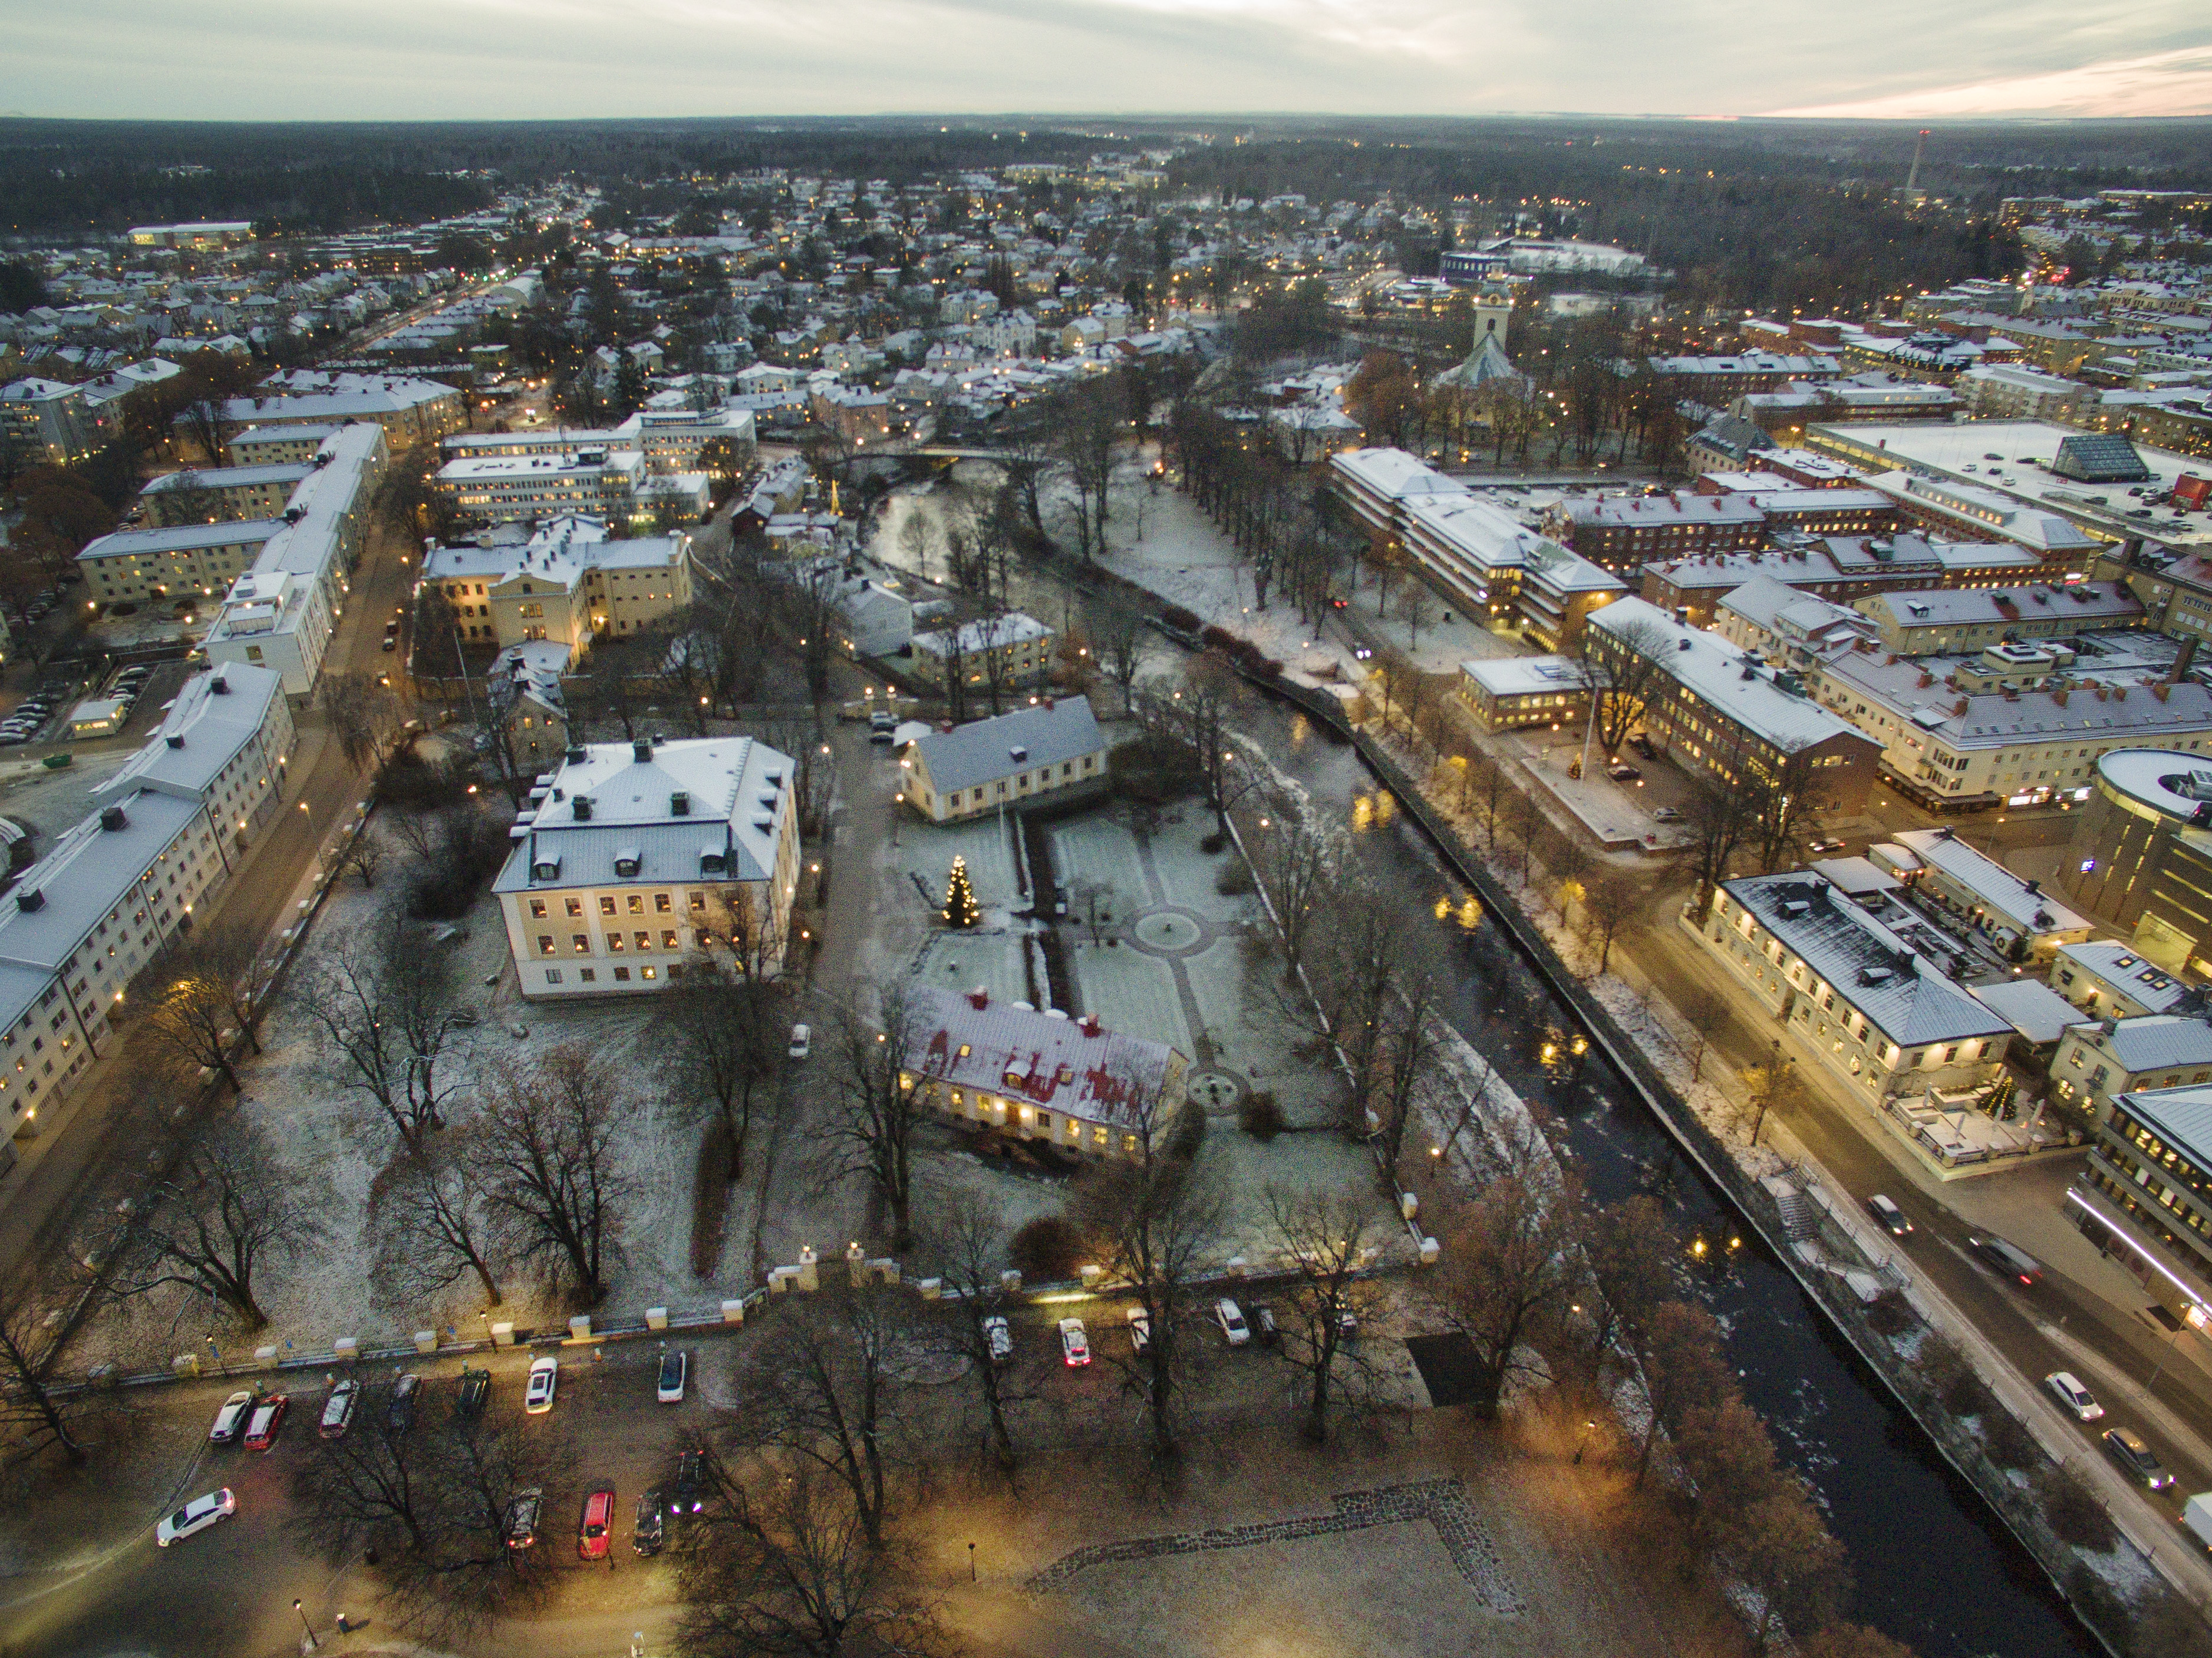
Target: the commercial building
(2142, 854)
(1508, 692)
(1623, 532)
(566, 583)
(1722, 714)
(410, 411)
(1839, 569)
(1053, 750)
(2012, 912)
(1042, 1077)
(1964, 733)
(2104, 978)
(524, 488)
(195, 236)
(1883, 1019)
(2146, 1196)
(1930, 622)
(633, 859)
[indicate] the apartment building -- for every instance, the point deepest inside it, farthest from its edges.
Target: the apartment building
(1623, 532)
(526, 488)
(278, 445)
(1713, 381)
(1930, 622)
(2008, 391)
(227, 742)
(1010, 1070)
(1016, 759)
(1882, 1018)
(48, 421)
(410, 411)
(1786, 626)
(189, 561)
(218, 494)
(1722, 714)
(1839, 569)
(1010, 651)
(638, 858)
(2013, 912)
(566, 583)
(2109, 980)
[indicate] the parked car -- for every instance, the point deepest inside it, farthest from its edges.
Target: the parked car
(1621, 772)
(196, 1516)
(999, 1339)
(1665, 814)
(1347, 1325)
(476, 1390)
(1265, 1330)
(802, 1041)
(675, 1370)
(1891, 1217)
(522, 1518)
(1642, 744)
(2074, 1396)
(399, 1414)
(596, 1528)
(230, 1418)
(338, 1409)
(268, 1419)
(2006, 1257)
(1074, 1342)
(1140, 1331)
(691, 1484)
(1826, 844)
(646, 1534)
(390, 643)
(1230, 1317)
(545, 1377)
(2129, 1450)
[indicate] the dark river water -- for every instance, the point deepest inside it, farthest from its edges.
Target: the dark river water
(1934, 1568)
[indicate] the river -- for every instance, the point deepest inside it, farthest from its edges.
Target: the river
(1933, 1566)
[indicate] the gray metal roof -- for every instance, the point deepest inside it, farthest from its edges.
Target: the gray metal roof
(86, 874)
(2182, 1117)
(983, 751)
(212, 727)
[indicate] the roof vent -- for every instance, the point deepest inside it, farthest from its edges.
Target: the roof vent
(113, 818)
(576, 755)
(679, 804)
(30, 898)
(711, 860)
(1682, 645)
(219, 686)
(1017, 755)
(176, 739)
(979, 999)
(582, 807)
(1091, 1025)
(642, 750)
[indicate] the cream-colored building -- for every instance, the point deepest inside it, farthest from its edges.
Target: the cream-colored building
(1014, 760)
(567, 583)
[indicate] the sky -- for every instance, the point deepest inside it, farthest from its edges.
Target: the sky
(443, 59)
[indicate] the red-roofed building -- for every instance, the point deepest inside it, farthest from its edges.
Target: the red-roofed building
(1047, 1077)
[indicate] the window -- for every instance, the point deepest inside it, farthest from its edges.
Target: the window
(552, 975)
(622, 976)
(637, 903)
(583, 943)
(614, 941)
(647, 972)
(698, 904)
(537, 909)
(576, 906)
(544, 943)
(668, 938)
(644, 940)
(606, 903)
(590, 975)
(663, 904)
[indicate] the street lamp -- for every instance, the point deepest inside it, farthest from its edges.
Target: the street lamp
(306, 1625)
(1583, 1444)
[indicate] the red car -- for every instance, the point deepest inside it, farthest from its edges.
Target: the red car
(268, 1417)
(593, 1534)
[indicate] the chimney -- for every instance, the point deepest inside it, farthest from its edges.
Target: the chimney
(2033, 887)
(979, 999)
(113, 819)
(1091, 1025)
(219, 686)
(576, 755)
(642, 750)
(176, 739)
(679, 804)
(581, 805)
(29, 899)
(2183, 660)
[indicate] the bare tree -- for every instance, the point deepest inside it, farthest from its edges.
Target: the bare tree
(545, 1156)
(1683, 1363)
(1197, 714)
(723, 1035)
(1088, 430)
(429, 1227)
(1122, 641)
(1631, 1247)
(384, 1004)
(1297, 864)
(821, 1392)
(965, 1244)
(1609, 903)
(870, 1062)
(364, 714)
(1719, 814)
(1156, 1218)
(366, 856)
(1409, 1054)
(1324, 1238)
(785, 1567)
(1620, 668)
(204, 998)
(1509, 1265)
(1702, 1008)
(34, 1416)
(229, 1212)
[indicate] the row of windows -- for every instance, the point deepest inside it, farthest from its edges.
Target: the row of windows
(591, 974)
(664, 903)
(581, 942)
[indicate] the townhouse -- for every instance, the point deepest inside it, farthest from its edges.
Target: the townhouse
(2105, 979)
(1008, 651)
(2100, 1059)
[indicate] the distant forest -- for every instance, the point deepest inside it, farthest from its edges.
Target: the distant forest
(1759, 214)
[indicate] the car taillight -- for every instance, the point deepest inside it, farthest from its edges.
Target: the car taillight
(2025, 1278)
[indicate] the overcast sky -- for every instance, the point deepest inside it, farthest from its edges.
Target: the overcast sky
(427, 59)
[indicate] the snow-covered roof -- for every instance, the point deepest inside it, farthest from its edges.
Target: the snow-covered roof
(1078, 1068)
(2019, 900)
(985, 751)
(2124, 969)
(215, 716)
(2034, 1009)
(1718, 673)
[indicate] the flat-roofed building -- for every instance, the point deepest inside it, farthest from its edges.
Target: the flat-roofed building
(1623, 532)
(2141, 852)
(1009, 651)
(641, 859)
(1882, 1018)
(1379, 485)
(278, 445)
(1494, 566)
(2013, 912)
(2009, 390)
(1720, 713)
(410, 410)
(1053, 750)
(1508, 692)
(2145, 1198)
(526, 488)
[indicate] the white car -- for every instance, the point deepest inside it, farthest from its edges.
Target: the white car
(1140, 1331)
(2074, 1396)
(675, 1370)
(196, 1516)
(802, 1041)
(545, 1376)
(999, 1338)
(1074, 1342)
(1230, 1317)
(231, 1418)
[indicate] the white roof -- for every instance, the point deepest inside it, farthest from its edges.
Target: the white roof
(1713, 668)
(2034, 1009)
(1078, 1069)
(203, 732)
(1523, 675)
(2123, 968)
(1991, 883)
(2181, 1118)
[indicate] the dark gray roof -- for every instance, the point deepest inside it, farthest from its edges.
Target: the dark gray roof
(983, 751)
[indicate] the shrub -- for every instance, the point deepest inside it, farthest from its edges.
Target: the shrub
(2074, 1517)
(1047, 1250)
(1964, 1395)
(1152, 770)
(1213, 843)
(1261, 1116)
(1889, 1315)
(1234, 881)
(2007, 1443)
(1189, 1134)
(1181, 619)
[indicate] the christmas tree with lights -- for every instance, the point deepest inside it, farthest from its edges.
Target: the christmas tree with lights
(961, 908)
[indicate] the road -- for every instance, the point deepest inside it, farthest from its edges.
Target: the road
(91, 1132)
